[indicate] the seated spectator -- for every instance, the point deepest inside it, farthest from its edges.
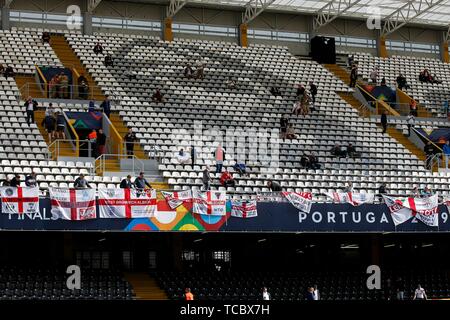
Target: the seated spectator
(426, 192)
(45, 37)
(338, 151)
(274, 186)
(231, 84)
(349, 187)
(300, 91)
(9, 72)
(305, 103)
(382, 190)
(415, 192)
(314, 161)
(30, 180)
(158, 96)
(275, 91)
(183, 157)
(81, 183)
(15, 182)
(91, 107)
(227, 180)
(240, 168)
(188, 72)
(425, 76)
(200, 71)
(98, 48)
(313, 90)
(290, 132)
(131, 74)
(351, 151)
(284, 123)
(374, 75)
(304, 161)
(297, 108)
(401, 82)
(109, 61)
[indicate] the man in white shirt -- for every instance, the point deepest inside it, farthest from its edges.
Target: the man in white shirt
(183, 157)
(420, 294)
(30, 105)
(316, 294)
(265, 294)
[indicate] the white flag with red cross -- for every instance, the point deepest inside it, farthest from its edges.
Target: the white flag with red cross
(300, 200)
(72, 204)
(244, 209)
(19, 200)
(355, 199)
(177, 198)
(209, 202)
(126, 203)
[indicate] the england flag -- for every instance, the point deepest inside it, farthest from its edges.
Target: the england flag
(126, 203)
(19, 200)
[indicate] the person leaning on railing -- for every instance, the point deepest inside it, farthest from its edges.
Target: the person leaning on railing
(446, 151)
(81, 183)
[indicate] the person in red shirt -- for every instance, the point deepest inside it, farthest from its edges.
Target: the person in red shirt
(188, 294)
(227, 180)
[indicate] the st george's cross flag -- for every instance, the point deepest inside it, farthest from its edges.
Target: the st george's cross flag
(19, 200)
(244, 209)
(447, 203)
(177, 198)
(126, 203)
(423, 209)
(209, 202)
(355, 199)
(399, 213)
(301, 200)
(72, 204)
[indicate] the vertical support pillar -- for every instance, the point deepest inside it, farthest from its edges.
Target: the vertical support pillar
(444, 52)
(167, 30)
(87, 23)
(381, 47)
(243, 37)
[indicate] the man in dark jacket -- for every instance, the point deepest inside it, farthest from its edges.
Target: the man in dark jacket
(353, 76)
(130, 139)
(313, 91)
(15, 182)
(206, 179)
(30, 106)
(384, 121)
(30, 180)
(274, 186)
(101, 142)
(81, 183)
(284, 122)
(140, 182)
(109, 61)
(106, 106)
(9, 72)
(126, 183)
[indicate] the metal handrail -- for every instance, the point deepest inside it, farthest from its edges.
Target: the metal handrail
(55, 148)
(102, 162)
(436, 159)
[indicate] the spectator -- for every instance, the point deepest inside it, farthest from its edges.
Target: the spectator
(429, 153)
(81, 182)
(49, 123)
(384, 121)
(420, 294)
(131, 74)
(64, 86)
(446, 151)
(109, 61)
(383, 81)
(410, 120)
(374, 75)
(426, 192)
(45, 37)
(305, 103)
(400, 288)
(351, 151)
(9, 72)
(30, 180)
(182, 157)
(401, 82)
(230, 83)
(284, 122)
(30, 106)
(415, 192)
(220, 157)
(91, 107)
(92, 138)
(15, 182)
(349, 187)
(200, 72)
(140, 182)
(274, 186)
(382, 189)
(83, 88)
(338, 151)
(193, 155)
(290, 133)
(227, 180)
(304, 161)
(98, 48)
(158, 97)
(101, 142)
(106, 107)
(310, 294)
(350, 60)
(240, 168)
(126, 183)
(275, 91)
(60, 126)
(188, 72)
(265, 294)
(316, 294)
(206, 179)
(53, 87)
(130, 139)
(313, 90)
(188, 295)
(6, 182)
(50, 111)
(300, 91)
(413, 107)
(353, 76)
(297, 108)
(313, 161)
(2, 69)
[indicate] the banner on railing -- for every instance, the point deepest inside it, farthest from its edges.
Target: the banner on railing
(423, 209)
(126, 203)
(72, 204)
(177, 198)
(301, 200)
(209, 202)
(244, 209)
(354, 199)
(19, 200)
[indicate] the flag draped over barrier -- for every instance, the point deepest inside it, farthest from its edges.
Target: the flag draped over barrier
(354, 199)
(177, 198)
(19, 200)
(209, 202)
(72, 204)
(126, 203)
(300, 200)
(244, 209)
(423, 209)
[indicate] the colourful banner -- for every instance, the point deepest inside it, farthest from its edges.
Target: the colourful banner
(19, 200)
(126, 203)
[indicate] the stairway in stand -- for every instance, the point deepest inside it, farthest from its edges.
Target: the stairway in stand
(32, 90)
(362, 109)
(70, 60)
(65, 148)
(123, 130)
(145, 287)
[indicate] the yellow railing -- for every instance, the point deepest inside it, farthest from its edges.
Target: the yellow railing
(383, 106)
(41, 75)
(116, 140)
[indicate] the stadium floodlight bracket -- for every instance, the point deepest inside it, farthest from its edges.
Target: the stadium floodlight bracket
(7, 3)
(92, 4)
(332, 10)
(254, 8)
(405, 14)
(174, 7)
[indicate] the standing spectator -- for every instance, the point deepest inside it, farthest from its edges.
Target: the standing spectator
(429, 153)
(9, 72)
(101, 142)
(49, 123)
(130, 139)
(109, 61)
(126, 183)
(310, 294)
(284, 122)
(220, 157)
(420, 294)
(351, 151)
(353, 76)
(206, 179)
(227, 180)
(300, 91)
(140, 182)
(91, 107)
(188, 72)
(316, 294)
(274, 186)
(426, 192)
(15, 182)
(81, 182)
(265, 294)
(193, 155)
(98, 48)
(313, 90)
(64, 86)
(200, 71)
(446, 151)
(410, 120)
(158, 97)
(413, 107)
(30, 180)
(83, 87)
(45, 37)
(92, 138)
(401, 82)
(30, 106)
(374, 75)
(400, 288)
(50, 111)
(53, 87)
(60, 126)
(384, 121)
(106, 107)
(188, 294)
(382, 191)
(350, 60)
(349, 187)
